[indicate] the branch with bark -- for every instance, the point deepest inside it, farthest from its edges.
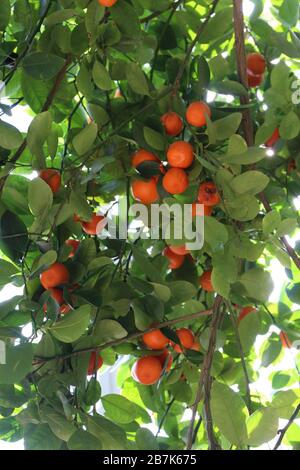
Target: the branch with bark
(130, 337)
(247, 123)
(286, 427)
(205, 380)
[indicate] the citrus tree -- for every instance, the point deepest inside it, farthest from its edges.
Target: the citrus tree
(151, 102)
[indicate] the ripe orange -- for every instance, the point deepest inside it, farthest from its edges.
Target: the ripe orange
(107, 3)
(155, 340)
(205, 281)
(172, 123)
(175, 261)
(253, 79)
(256, 63)
(54, 276)
(197, 112)
(90, 227)
(285, 341)
(164, 357)
(196, 209)
(93, 367)
(179, 250)
(244, 312)
(57, 294)
(273, 139)
(175, 181)
(74, 244)
(145, 191)
(147, 370)
(142, 156)
(186, 338)
(76, 218)
(52, 178)
(180, 154)
(208, 194)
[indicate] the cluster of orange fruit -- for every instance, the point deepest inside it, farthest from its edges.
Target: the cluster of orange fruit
(148, 369)
(180, 156)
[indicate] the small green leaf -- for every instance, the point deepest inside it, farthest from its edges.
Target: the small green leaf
(42, 66)
(101, 77)
(262, 426)
(10, 136)
(84, 140)
(250, 182)
(73, 325)
(137, 79)
(40, 197)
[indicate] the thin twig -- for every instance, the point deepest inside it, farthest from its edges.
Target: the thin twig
(286, 427)
(132, 336)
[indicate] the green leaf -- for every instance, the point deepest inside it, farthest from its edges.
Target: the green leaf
(146, 264)
(215, 232)
(40, 437)
(73, 325)
(112, 436)
(250, 182)
(42, 66)
(137, 79)
(40, 197)
(84, 140)
(181, 291)
(258, 284)
(229, 413)
(290, 126)
(154, 139)
(145, 440)
(119, 408)
(60, 16)
(93, 392)
(270, 350)
(4, 14)
(17, 363)
(106, 330)
(289, 12)
(83, 440)
(217, 26)
(271, 221)
(38, 132)
(59, 425)
(101, 77)
(13, 236)
(287, 227)
(10, 136)
(223, 128)
(251, 155)
(262, 426)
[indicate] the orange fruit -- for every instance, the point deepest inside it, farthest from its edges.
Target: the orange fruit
(175, 261)
(253, 79)
(164, 357)
(107, 3)
(172, 123)
(52, 178)
(197, 112)
(54, 276)
(256, 63)
(205, 281)
(179, 250)
(57, 294)
(93, 367)
(145, 191)
(208, 194)
(291, 165)
(273, 139)
(143, 156)
(118, 93)
(175, 181)
(196, 209)
(76, 218)
(186, 338)
(90, 227)
(147, 370)
(180, 154)
(155, 340)
(285, 341)
(74, 244)
(244, 312)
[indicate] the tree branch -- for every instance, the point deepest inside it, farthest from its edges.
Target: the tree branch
(247, 121)
(286, 427)
(130, 337)
(205, 379)
(45, 107)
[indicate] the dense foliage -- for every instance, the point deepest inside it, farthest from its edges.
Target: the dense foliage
(96, 82)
